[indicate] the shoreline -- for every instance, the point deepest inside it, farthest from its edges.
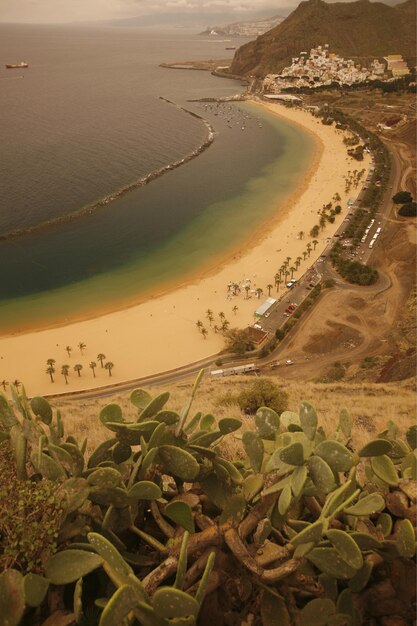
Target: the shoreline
(171, 339)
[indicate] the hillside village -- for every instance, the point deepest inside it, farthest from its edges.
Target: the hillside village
(321, 67)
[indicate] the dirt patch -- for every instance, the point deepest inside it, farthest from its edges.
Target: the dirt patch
(335, 336)
(353, 319)
(357, 303)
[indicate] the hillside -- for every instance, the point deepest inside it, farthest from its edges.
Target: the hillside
(359, 29)
(248, 28)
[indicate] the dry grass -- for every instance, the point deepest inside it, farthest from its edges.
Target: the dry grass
(370, 405)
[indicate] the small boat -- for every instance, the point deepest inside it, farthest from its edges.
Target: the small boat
(11, 66)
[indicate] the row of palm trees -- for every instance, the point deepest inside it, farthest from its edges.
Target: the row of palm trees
(223, 325)
(78, 367)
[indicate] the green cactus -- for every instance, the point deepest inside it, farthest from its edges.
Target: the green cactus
(116, 496)
(329, 561)
(202, 587)
(101, 453)
(182, 562)
(384, 468)
(12, 600)
(206, 438)
(267, 422)
(144, 490)
(359, 581)
(228, 425)
(121, 452)
(405, 539)
(274, 611)
(329, 585)
(111, 413)
(77, 457)
(167, 417)
(78, 601)
(122, 602)
(317, 612)
(70, 565)
(284, 501)
(119, 572)
(105, 478)
(252, 485)
(140, 398)
(336, 455)
(153, 407)
(207, 421)
(312, 533)
(321, 474)
(42, 409)
(34, 589)
(180, 513)
(74, 492)
(345, 423)
(376, 447)
(47, 466)
(308, 420)
(19, 444)
(234, 510)
(234, 474)
(346, 547)
(411, 436)
(178, 462)
(254, 448)
(370, 504)
(292, 454)
(384, 522)
(289, 418)
(7, 416)
(170, 603)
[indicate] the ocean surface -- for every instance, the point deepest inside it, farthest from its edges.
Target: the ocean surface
(86, 120)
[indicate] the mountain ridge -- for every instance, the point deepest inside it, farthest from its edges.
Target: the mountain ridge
(360, 29)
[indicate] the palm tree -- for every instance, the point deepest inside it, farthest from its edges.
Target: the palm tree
(235, 309)
(286, 274)
(315, 242)
(278, 282)
(216, 328)
(3, 384)
(222, 315)
(93, 366)
(81, 346)
(101, 357)
(304, 255)
(288, 259)
(247, 289)
(50, 362)
(209, 315)
(204, 332)
(16, 383)
(258, 292)
(51, 370)
(109, 366)
(69, 350)
(78, 367)
(337, 197)
(322, 221)
(292, 270)
(301, 234)
(298, 261)
(65, 372)
(309, 248)
(225, 325)
(199, 324)
(269, 287)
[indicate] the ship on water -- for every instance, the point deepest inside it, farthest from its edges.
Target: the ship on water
(12, 66)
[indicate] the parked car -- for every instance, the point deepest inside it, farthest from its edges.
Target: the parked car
(289, 311)
(291, 284)
(289, 362)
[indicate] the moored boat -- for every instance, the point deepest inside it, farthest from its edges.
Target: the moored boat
(12, 66)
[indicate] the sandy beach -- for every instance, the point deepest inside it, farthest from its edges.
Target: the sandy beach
(161, 334)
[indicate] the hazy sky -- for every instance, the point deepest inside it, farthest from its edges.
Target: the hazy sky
(69, 10)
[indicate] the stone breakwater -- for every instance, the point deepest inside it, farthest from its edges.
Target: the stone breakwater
(141, 182)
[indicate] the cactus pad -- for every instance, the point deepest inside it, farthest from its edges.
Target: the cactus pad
(70, 565)
(180, 513)
(267, 422)
(178, 462)
(254, 448)
(373, 503)
(384, 468)
(321, 474)
(336, 455)
(376, 447)
(144, 490)
(308, 420)
(346, 547)
(41, 409)
(34, 588)
(171, 603)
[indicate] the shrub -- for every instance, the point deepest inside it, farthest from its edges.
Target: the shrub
(263, 392)
(402, 197)
(279, 334)
(408, 210)
(238, 341)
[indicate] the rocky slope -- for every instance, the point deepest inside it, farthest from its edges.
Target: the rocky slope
(359, 29)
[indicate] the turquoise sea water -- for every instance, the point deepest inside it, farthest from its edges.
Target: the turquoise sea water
(156, 235)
